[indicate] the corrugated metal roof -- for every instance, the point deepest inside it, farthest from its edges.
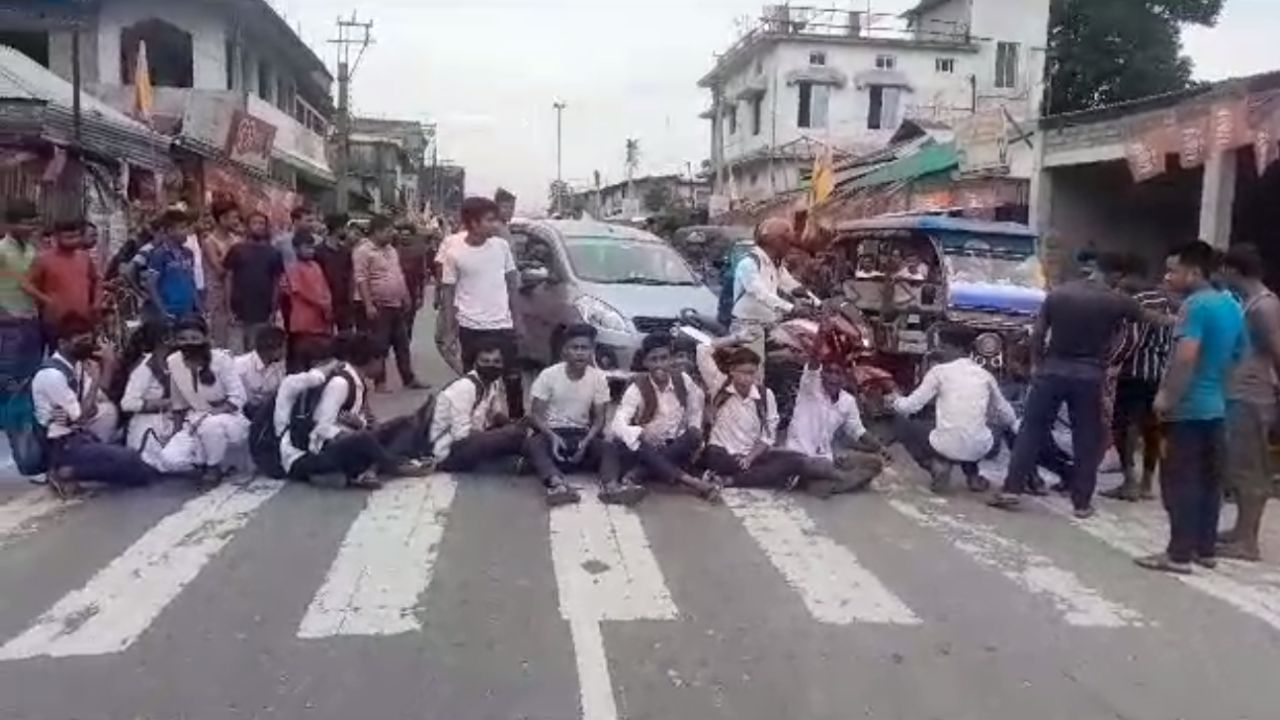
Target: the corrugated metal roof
(22, 78)
(934, 158)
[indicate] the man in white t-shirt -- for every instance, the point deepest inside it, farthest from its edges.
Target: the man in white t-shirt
(568, 415)
(479, 283)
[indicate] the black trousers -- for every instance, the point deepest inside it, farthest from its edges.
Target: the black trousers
(480, 447)
(350, 454)
(1083, 398)
(773, 469)
(469, 342)
(664, 463)
(1191, 487)
(913, 434)
(390, 329)
(600, 455)
(91, 460)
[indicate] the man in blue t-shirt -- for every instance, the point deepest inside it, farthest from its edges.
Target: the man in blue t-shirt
(170, 268)
(1209, 340)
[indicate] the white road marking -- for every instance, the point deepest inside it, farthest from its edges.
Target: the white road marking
(828, 577)
(1143, 530)
(32, 505)
(118, 604)
(385, 562)
(605, 570)
(1079, 604)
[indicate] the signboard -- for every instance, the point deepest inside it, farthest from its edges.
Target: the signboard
(249, 140)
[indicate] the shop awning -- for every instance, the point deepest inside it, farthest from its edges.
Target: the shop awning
(930, 160)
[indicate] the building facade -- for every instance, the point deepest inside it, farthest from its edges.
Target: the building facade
(803, 80)
(645, 196)
(387, 158)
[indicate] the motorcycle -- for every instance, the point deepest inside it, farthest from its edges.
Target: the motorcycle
(842, 335)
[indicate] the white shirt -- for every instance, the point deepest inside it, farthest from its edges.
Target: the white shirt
(670, 418)
(967, 398)
(736, 424)
(143, 387)
(478, 275)
(51, 391)
(331, 405)
(756, 281)
(817, 419)
(190, 394)
(569, 401)
(292, 388)
(259, 379)
(458, 413)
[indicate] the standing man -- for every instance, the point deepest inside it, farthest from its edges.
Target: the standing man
(64, 279)
(17, 253)
(253, 270)
(384, 297)
(414, 259)
(506, 210)
(1251, 403)
(170, 268)
(757, 279)
(308, 305)
(334, 255)
(300, 218)
(225, 235)
(1210, 339)
(1080, 319)
(479, 284)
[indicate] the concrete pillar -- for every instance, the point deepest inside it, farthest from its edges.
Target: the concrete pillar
(717, 141)
(1041, 197)
(1217, 198)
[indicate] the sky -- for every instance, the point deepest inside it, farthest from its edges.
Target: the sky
(488, 71)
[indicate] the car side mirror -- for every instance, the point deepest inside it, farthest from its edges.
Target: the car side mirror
(533, 275)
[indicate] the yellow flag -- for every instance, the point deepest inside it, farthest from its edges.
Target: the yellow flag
(823, 181)
(144, 96)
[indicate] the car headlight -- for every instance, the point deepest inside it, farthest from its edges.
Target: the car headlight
(988, 344)
(598, 313)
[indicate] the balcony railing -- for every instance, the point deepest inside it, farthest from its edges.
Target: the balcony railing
(817, 22)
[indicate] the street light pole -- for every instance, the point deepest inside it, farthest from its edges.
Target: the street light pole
(559, 106)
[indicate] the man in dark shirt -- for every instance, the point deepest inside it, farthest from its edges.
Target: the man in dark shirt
(334, 255)
(1080, 319)
(253, 268)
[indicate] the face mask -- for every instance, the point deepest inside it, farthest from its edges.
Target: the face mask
(82, 351)
(194, 351)
(488, 374)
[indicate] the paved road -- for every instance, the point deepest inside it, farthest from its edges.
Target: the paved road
(463, 598)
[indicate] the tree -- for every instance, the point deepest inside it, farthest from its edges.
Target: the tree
(1109, 51)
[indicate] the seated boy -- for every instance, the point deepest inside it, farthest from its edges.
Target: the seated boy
(568, 413)
(657, 427)
(469, 423)
(64, 393)
(262, 369)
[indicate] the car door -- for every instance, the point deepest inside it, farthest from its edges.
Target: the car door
(543, 305)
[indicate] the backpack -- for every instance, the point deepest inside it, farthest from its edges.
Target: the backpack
(728, 298)
(31, 444)
(722, 396)
(264, 441)
(427, 415)
(649, 397)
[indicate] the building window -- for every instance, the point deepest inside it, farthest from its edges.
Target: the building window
(817, 58)
(169, 57)
(1007, 64)
(757, 105)
(882, 111)
(731, 117)
(265, 86)
(945, 65)
(33, 44)
(886, 62)
(814, 101)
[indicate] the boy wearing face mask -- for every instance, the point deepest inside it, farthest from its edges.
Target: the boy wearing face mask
(64, 393)
(469, 424)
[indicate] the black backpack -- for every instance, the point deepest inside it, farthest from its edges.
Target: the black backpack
(264, 441)
(649, 397)
(31, 449)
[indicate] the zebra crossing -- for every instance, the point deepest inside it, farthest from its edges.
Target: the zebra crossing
(606, 569)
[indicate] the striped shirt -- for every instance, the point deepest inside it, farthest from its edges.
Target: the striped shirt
(1151, 343)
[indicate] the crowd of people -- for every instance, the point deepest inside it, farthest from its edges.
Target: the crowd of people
(261, 351)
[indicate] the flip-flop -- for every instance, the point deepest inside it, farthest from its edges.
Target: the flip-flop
(1003, 501)
(1162, 563)
(558, 495)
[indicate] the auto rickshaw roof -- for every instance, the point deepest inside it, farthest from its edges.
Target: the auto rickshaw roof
(936, 223)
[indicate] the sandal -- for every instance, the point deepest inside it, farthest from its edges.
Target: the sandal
(561, 494)
(623, 492)
(1161, 562)
(63, 488)
(1005, 501)
(365, 481)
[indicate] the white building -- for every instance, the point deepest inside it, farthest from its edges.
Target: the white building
(803, 79)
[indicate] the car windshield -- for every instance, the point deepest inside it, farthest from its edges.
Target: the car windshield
(992, 261)
(612, 260)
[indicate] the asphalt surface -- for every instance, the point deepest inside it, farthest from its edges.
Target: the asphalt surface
(464, 598)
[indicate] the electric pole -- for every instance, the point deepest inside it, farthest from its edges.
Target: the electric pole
(559, 106)
(351, 33)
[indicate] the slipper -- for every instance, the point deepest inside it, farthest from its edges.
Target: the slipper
(1005, 501)
(561, 494)
(1161, 563)
(623, 493)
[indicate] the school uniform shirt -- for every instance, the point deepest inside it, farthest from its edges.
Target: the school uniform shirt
(478, 274)
(569, 401)
(756, 282)
(817, 418)
(332, 401)
(292, 388)
(259, 379)
(458, 413)
(50, 391)
(144, 387)
(670, 418)
(736, 426)
(189, 393)
(967, 398)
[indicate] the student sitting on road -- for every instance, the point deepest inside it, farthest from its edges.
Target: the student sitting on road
(469, 424)
(146, 394)
(320, 416)
(657, 429)
(823, 409)
(208, 394)
(744, 424)
(262, 369)
(568, 416)
(967, 399)
(60, 392)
